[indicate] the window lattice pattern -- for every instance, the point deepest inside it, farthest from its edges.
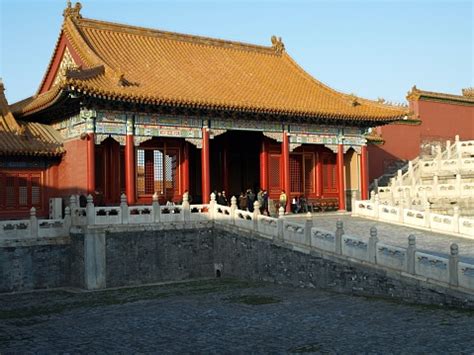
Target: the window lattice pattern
(20, 190)
(308, 174)
(329, 174)
(296, 176)
(274, 172)
(157, 171)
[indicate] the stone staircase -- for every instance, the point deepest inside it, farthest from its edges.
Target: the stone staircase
(443, 183)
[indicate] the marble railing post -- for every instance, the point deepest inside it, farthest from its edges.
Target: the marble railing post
(73, 207)
(124, 209)
(90, 210)
(376, 206)
(281, 213)
(67, 222)
(458, 184)
(448, 149)
(453, 265)
(186, 208)
(427, 211)
(233, 208)
(155, 206)
(33, 223)
(411, 250)
(372, 247)
(339, 233)
(458, 146)
(212, 206)
(401, 213)
(256, 213)
(399, 177)
(456, 219)
(434, 190)
(353, 200)
(307, 228)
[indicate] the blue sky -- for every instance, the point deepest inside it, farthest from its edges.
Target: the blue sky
(370, 48)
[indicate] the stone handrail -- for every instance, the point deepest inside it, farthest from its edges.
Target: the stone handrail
(300, 236)
(455, 157)
(423, 218)
(458, 189)
(36, 228)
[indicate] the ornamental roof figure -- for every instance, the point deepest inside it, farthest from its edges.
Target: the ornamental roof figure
(141, 65)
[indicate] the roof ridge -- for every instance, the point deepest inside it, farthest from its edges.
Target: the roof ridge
(204, 40)
(415, 94)
(351, 98)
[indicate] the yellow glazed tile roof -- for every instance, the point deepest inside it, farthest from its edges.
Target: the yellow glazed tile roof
(163, 68)
(31, 138)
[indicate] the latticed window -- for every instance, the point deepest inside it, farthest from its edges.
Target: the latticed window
(296, 173)
(329, 173)
(274, 173)
(157, 171)
(20, 190)
(308, 174)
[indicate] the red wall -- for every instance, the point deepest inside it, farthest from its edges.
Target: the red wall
(439, 121)
(72, 171)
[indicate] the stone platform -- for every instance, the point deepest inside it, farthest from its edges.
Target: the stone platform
(397, 235)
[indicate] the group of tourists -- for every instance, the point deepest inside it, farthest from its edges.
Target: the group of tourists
(246, 201)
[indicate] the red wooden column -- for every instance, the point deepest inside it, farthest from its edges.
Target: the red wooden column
(340, 177)
(285, 155)
(130, 164)
(90, 163)
(205, 167)
(264, 165)
(364, 174)
(319, 175)
(185, 170)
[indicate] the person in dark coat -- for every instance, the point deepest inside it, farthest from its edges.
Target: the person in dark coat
(250, 199)
(265, 203)
(220, 199)
(224, 199)
(242, 201)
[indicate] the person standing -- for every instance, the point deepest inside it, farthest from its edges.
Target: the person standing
(283, 199)
(242, 201)
(265, 203)
(250, 200)
(225, 202)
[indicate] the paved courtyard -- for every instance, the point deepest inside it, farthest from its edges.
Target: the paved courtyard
(435, 243)
(225, 316)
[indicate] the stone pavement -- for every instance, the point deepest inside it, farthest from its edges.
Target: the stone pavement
(392, 234)
(225, 316)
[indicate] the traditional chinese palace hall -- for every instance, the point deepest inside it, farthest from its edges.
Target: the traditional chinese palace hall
(124, 109)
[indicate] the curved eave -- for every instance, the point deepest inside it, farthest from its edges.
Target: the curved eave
(203, 104)
(38, 103)
(58, 153)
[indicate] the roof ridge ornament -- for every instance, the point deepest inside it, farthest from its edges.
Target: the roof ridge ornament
(468, 92)
(73, 12)
(354, 100)
(278, 45)
(413, 94)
